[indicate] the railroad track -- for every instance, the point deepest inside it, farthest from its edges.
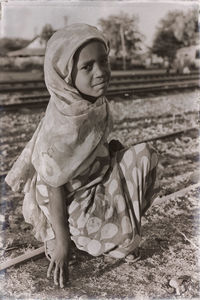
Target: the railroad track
(126, 123)
(193, 131)
(125, 79)
(120, 84)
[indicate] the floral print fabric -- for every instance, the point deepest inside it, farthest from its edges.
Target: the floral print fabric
(106, 218)
(66, 141)
(106, 202)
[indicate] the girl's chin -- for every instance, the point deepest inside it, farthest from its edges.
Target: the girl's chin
(101, 92)
(93, 98)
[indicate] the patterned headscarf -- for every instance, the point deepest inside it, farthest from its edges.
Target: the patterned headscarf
(67, 139)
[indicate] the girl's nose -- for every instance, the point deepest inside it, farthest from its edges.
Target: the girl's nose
(99, 71)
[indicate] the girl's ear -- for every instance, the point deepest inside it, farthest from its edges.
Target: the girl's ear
(108, 44)
(73, 75)
(74, 67)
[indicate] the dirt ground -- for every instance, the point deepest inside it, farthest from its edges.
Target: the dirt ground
(169, 249)
(170, 244)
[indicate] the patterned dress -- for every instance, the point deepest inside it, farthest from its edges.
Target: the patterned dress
(106, 202)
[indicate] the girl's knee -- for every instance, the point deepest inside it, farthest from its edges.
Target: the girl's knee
(146, 156)
(152, 156)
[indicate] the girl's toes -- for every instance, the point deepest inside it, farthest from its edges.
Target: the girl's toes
(133, 257)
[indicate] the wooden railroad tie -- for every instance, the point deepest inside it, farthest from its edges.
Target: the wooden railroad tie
(22, 258)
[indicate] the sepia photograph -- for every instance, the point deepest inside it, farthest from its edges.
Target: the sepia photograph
(99, 149)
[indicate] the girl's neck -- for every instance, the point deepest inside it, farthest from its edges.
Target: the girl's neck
(89, 98)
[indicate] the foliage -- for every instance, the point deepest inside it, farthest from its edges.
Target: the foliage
(46, 32)
(10, 44)
(123, 34)
(176, 30)
(166, 45)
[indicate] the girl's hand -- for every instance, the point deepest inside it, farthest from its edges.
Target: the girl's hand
(60, 260)
(58, 215)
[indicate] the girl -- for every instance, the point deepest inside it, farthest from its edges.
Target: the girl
(76, 185)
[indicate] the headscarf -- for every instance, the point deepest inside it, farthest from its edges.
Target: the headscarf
(67, 139)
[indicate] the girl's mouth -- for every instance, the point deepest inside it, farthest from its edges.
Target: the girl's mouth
(101, 83)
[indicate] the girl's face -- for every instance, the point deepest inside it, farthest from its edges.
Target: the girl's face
(91, 70)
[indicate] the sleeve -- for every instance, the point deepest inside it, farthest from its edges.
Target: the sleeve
(22, 171)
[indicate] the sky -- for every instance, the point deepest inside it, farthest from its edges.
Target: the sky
(25, 19)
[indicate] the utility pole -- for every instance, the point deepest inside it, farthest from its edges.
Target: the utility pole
(123, 46)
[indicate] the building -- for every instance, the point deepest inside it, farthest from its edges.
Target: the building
(35, 48)
(30, 57)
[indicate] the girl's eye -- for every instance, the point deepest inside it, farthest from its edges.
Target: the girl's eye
(88, 67)
(104, 61)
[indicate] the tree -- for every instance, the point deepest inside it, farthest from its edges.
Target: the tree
(176, 30)
(47, 32)
(123, 34)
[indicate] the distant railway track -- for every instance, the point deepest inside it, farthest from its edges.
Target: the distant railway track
(121, 83)
(125, 80)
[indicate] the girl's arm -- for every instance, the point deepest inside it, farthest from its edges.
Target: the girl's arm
(58, 215)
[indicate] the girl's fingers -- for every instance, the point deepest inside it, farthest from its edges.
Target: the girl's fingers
(56, 275)
(50, 268)
(62, 277)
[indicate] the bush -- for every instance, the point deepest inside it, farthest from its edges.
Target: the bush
(8, 44)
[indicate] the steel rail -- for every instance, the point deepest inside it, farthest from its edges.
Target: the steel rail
(125, 79)
(151, 139)
(125, 82)
(112, 91)
(114, 78)
(13, 88)
(114, 74)
(144, 88)
(131, 79)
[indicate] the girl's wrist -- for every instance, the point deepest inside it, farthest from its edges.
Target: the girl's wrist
(62, 236)
(62, 243)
